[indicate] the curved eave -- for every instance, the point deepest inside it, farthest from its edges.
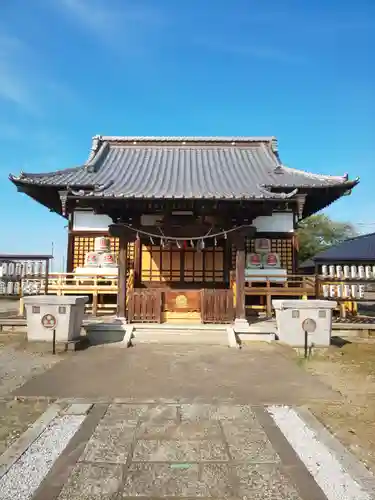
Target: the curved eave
(337, 183)
(46, 196)
(321, 198)
(23, 180)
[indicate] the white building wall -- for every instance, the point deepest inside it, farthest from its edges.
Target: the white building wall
(88, 221)
(276, 223)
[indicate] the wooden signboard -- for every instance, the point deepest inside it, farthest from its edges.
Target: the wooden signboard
(182, 300)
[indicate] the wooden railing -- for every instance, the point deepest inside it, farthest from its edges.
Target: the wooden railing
(267, 288)
(144, 305)
(98, 287)
(217, 306)
(66, 283)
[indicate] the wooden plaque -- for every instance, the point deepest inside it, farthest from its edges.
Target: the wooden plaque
(181, 300)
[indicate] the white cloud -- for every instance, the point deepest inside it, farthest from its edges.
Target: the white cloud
(120, 24)
(14, 85)
(23, 79)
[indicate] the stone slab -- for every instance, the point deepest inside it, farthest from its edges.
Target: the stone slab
(126, 412)
(160, 413)
(111, 445)
(78, 409)
(264, 482)
(180, 451)
(248, 443)
(254, 447)
(197, 412)
(180, 430)
(174, 480)
(93, 481)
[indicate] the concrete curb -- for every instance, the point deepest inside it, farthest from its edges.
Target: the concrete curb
(12, 454)
(61, 470)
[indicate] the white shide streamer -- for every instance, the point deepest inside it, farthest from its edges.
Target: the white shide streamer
(322, 464)
(24, 477)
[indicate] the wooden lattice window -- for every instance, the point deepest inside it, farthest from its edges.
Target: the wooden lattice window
(281, 246)
(161, 264)
(85, 243)
(205, 266)
(173, 264)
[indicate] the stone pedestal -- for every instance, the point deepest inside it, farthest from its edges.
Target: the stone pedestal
(45, 313)
(291, 318)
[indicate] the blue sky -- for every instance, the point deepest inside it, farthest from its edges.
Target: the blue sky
(297, 69)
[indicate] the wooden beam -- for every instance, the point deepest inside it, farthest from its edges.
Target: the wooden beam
(70, 253)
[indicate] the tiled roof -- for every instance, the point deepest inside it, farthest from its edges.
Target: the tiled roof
(360, 248)
(183, 167)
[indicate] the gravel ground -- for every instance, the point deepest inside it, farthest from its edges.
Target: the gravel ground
(24, 477)
(335, 482)
(18, 366)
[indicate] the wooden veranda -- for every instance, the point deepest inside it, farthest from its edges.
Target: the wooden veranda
(148, 304)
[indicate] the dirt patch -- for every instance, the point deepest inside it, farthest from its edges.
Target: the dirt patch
(349, 369)
(16, 417)
(12, 338)
(17, 365)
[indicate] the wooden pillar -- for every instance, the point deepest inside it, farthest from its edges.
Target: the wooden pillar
(240, 279)
(70, 253)
(122, 272)
(240, 323)
(137, 262)
(227, 258)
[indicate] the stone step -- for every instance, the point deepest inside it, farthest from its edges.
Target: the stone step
(180, 326)
(179, 336)
(197, 337)
(168, 340)
(183, 333)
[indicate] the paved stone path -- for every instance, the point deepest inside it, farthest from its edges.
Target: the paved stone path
(178, 422)
(184, 451)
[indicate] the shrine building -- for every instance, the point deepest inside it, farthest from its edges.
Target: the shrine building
(191, 218)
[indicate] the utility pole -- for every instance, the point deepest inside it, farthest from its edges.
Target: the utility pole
(52, 253)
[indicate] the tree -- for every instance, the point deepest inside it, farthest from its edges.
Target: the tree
(319, 232)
